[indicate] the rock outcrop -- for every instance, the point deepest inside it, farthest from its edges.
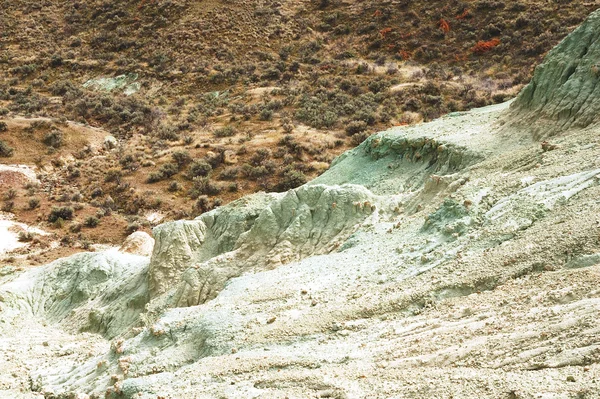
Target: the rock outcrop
(101, 292)
(257, 233)
(564, 91)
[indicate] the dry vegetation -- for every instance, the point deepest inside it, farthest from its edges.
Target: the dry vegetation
(235, 96)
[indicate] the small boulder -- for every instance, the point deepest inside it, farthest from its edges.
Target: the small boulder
(110, 142)
(230, 157)
(138, 243)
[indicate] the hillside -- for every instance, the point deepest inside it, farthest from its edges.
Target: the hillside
(454, 258)
(206, 101)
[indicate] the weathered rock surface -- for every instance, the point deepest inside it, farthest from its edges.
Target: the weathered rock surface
(138, 243)
(564, 91)
(457, 258)
(99, 292)
(257, 233)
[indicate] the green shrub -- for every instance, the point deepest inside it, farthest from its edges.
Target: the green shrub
(5, 150)
(155, 177)
(266, 115)
(113, 175)
(203, 204)
(54, 139)
(168, 170)
(75, 228)
(26, 236)
(260, 156)
(129, 162)
(91, 221)
(199, 168)
(11, 193)
(359, 138)
(203, 186)
(226, 131)
(181, 158)
(174, 186)
(229, 173)
(167, 133)
(34, 203)
(132, 227)
(7, 206)
(355, 127)
(3, 127)
(291, 178)
(63, 212)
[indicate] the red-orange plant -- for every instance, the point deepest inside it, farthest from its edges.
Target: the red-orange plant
(384, 32)
(485, 46)
(405, 54)
(465, 14)
(377, 13)
(444, 25)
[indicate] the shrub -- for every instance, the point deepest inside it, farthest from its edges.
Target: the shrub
(75, 228)
(266, 115)
(167, 133)
(359, 138)
(129, 162)
(74, 173)
(485, 46)
(54, 139)
(168, 170)
(174, 186)
(315, 112)
(378, 85)
(26, 236)
(10, 194)
(113, 175)
(355, 127)
(3, 127)
(203, 204)
(226, 131)
(34, 203)
(199, 168)
(5, 150)
(8, 206)
(91, 221)
(229, 173)
(291, 178)
(203, 186)
(154, 177)
(63, 212)
(132, 227)
(181, 158)
(97, 192)
(260, 156)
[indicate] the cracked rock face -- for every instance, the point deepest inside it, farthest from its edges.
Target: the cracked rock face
(564, 91)
(258, 233)
(450, 259)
